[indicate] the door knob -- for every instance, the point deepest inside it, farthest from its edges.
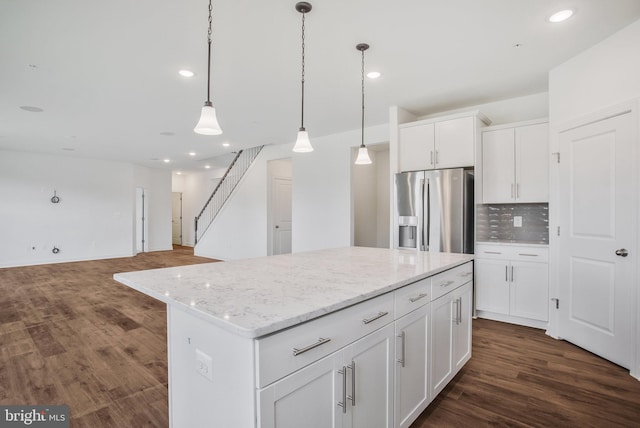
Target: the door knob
(622, 252)
(278, 227)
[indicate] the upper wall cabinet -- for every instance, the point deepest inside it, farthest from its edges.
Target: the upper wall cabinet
(438, 143)
(515, 164)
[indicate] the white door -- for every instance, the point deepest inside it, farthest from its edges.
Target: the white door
(597, 218)
(281, 193)
(176, 218)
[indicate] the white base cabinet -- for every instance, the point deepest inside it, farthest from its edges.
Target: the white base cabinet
(450, 336)
(351, 388)
(512, 283)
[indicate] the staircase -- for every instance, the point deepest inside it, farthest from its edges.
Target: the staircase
(223, 190)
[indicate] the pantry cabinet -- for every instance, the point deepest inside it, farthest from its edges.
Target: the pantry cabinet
(515, 164)
(447, 142)
(512, 283)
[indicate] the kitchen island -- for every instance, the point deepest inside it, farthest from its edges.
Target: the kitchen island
(312, 339)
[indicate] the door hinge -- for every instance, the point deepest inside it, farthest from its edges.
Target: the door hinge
(557, 154)
(557, 302)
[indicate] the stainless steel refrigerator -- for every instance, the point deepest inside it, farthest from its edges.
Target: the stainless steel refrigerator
(434, 210)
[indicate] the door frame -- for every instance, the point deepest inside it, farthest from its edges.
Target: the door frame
(181, 225)
(632, 106)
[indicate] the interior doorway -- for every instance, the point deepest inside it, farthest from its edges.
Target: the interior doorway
(142, 229)
(370, 193)
(279, 218)
(176, 218)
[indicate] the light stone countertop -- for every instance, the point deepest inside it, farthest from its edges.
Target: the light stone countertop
(256, 297)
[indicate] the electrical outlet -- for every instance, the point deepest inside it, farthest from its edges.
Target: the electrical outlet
(517, 221)
(204, 364)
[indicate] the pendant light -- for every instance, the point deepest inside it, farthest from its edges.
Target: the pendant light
(303, 145)
(363, 155)
(208, 123)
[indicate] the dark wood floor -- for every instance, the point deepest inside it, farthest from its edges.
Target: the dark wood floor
(71, 335)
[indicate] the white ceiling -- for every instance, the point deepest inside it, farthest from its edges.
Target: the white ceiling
(105, 72)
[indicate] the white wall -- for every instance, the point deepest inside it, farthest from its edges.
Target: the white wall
(93, 220)
(606, 74)
(321, 200)
(601, 77)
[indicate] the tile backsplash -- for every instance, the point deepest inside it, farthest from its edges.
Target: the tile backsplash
(495, 222)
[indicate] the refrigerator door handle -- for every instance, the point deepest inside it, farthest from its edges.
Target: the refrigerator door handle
(427, 214)
(422, 192)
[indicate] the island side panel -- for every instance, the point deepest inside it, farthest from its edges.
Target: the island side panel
(228, 399)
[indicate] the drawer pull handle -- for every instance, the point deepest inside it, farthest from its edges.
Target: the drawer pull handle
(321, 341)
(446, 284)
(370, 320)
(492, 252)
(418, 297)
(467, 274)
(527, 254)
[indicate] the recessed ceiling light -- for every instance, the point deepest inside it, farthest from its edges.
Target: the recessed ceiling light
(374, 74)
(178, 173)
(186, 73)
(166, 160)
(192, 153)
(207, 166)
(32, 109)
(560, 16)
(517, 45)
(225, 144)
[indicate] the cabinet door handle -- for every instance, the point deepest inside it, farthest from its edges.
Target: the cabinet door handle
(512, 197)
(460, 310)
(343, 403)
(511, 273)
(418, 297)
(370, 320)
(506, 273)
(517, 190)
(352, 397)
(321, 341)
(455, 317)
(436, 157)
(431, 158)
(402, 337)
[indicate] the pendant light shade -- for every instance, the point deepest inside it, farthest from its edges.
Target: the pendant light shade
(303, 144)
(363, 154)
(208, 123)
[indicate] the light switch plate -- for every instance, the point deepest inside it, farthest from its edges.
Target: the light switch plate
(204, 364)
(517, 221)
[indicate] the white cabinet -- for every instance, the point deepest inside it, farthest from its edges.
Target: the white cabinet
(438, 143)
(512, 283)
(350, 388)
(450, 336)
(515, 164)
(412, 366)
(369, 365)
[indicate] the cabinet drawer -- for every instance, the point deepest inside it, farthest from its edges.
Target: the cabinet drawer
(412, 297)
(446, 281)
(513, 252)
(284, 352)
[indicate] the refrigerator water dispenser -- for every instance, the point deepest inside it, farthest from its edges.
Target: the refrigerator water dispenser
(408, 231)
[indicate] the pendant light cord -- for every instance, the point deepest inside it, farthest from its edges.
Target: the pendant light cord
(302, 77)
(362, 144)
(209, 55)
